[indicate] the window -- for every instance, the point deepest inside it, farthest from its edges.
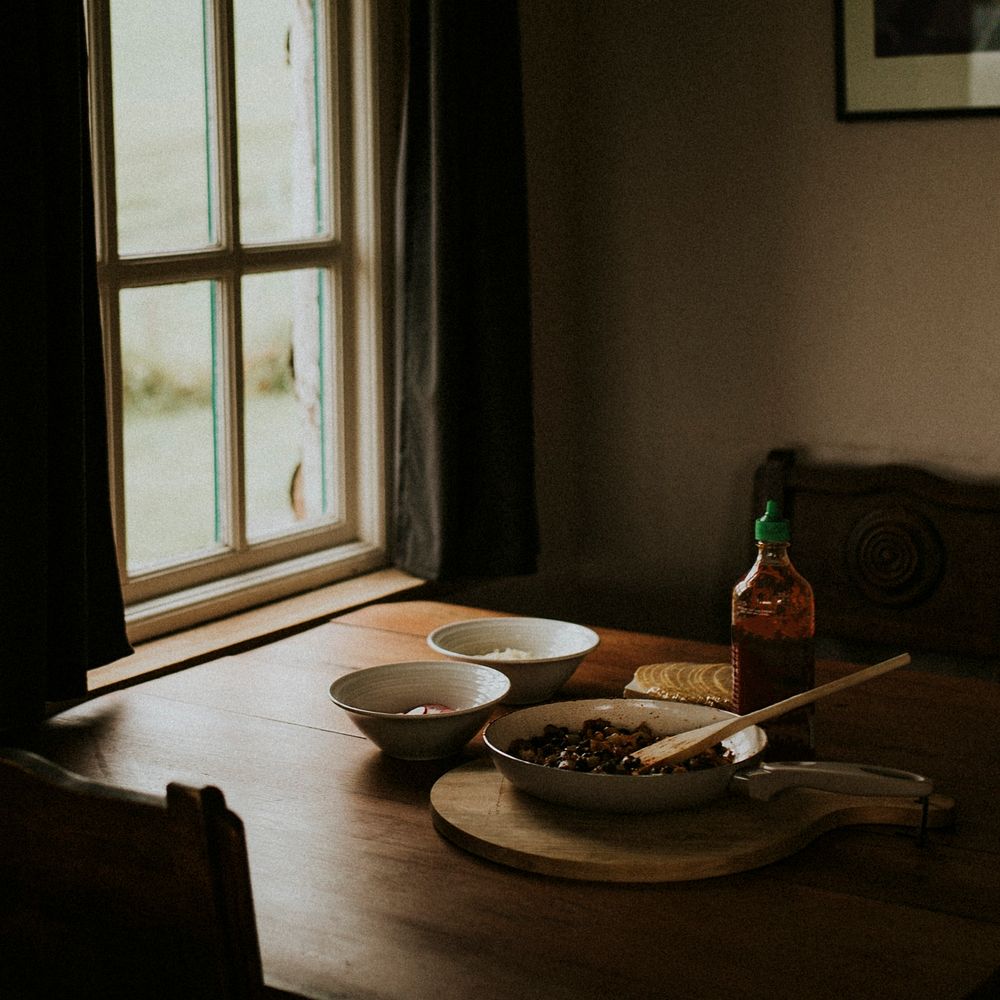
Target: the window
(237, 232)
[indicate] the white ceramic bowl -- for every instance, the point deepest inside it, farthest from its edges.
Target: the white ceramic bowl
(376, 698)
(554, 650)
(616, 792)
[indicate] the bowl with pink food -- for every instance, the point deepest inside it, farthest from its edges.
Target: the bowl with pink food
(420, 710)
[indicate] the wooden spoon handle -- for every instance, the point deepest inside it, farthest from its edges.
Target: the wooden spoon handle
(685, 745)
(814, 694)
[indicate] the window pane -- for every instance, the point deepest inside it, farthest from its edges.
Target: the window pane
(278, 116)
(286, 402)
(162, 126)
(171, 423)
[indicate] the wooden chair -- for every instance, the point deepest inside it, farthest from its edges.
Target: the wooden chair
(896, 556)
(106, 892)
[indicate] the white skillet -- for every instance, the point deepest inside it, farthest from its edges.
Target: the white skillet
(662, 792)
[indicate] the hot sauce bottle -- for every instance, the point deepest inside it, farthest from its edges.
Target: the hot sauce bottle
(773, 626)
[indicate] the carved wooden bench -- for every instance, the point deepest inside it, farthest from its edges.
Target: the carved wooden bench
(897, 556)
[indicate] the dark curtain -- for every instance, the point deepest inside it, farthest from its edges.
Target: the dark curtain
(62, 606)
(465, 494)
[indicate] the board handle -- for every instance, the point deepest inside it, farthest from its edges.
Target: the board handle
(766, 780)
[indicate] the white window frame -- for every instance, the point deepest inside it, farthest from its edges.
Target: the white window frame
(179, 596)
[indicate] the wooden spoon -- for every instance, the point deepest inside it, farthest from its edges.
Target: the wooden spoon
(683, 746)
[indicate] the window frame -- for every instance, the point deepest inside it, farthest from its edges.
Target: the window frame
(172, 597)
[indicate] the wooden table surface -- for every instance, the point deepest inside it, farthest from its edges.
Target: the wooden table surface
(358, 896)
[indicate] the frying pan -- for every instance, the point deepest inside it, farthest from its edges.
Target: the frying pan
(663, 792)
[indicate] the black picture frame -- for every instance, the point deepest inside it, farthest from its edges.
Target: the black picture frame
(891, 64)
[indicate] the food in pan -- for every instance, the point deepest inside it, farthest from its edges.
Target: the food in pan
(601, 747)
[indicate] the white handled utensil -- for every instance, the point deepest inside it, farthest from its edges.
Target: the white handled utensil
(766, 780)
(683, 746)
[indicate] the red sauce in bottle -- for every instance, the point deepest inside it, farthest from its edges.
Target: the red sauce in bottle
(773, 624)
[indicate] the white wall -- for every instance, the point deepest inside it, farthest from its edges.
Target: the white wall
(720, 267)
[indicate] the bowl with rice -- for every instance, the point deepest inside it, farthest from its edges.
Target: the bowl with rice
(538, 655)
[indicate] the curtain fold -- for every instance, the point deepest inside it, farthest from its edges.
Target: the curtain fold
(465, 491)
(62, 604)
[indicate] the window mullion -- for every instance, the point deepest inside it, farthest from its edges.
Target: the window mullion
(361, 216)
(229, 403)
(101, 127)
(101, 105)
(192, 265)
(231, 478)
(224, 70)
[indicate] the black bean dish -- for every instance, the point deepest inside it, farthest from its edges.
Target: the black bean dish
(604, 748)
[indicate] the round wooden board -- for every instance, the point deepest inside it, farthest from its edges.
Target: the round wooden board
(476, 808)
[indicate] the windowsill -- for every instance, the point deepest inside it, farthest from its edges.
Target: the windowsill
(249, 628)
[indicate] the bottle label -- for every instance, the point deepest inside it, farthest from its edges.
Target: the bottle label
(767, 670)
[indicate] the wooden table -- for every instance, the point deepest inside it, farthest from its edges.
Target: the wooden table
(358, 896)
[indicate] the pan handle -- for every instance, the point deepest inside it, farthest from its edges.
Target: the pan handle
(766, 780)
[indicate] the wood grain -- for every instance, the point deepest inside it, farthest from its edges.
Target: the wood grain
(358, 895)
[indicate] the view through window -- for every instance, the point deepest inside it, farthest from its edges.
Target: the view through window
(233, 161)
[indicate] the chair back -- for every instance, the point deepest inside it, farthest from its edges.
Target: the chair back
(896, 555)
(108, 892)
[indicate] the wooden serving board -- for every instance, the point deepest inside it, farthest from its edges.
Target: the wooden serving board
(479, 810)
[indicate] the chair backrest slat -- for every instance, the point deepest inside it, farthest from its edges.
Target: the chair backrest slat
(897, 556)
(110, 892)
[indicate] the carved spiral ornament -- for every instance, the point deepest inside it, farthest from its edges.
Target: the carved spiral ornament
(895, 556)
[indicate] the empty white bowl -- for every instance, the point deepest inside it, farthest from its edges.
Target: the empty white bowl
(377, 698)
(538, 654)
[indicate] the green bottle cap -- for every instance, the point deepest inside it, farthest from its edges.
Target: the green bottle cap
(772, 527)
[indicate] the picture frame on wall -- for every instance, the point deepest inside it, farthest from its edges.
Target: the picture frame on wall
(917, 58)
